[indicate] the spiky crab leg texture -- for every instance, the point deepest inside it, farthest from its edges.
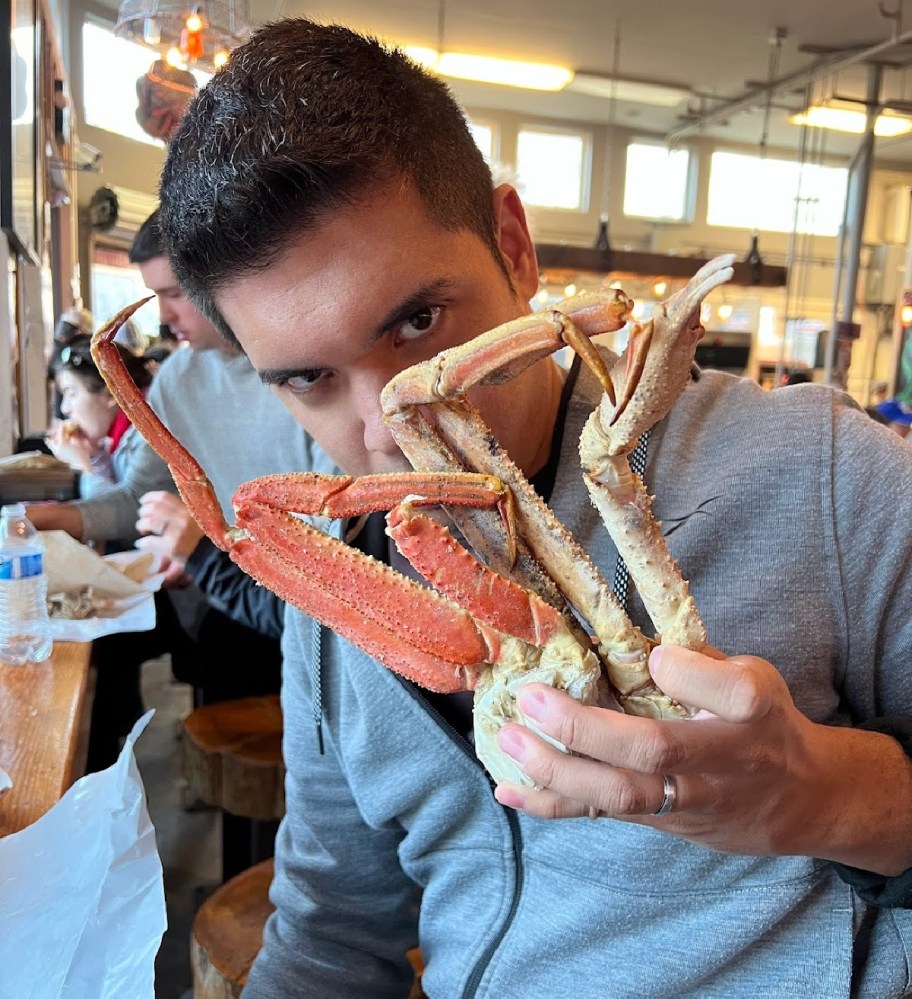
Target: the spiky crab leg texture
(437, 427)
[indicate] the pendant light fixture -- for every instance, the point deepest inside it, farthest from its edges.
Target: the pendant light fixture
(197, 34)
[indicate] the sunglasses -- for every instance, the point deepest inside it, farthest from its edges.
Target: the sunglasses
(76, 357)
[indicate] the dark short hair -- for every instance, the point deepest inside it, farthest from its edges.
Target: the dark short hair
(76, 356)
(148, 243)
(304, 119)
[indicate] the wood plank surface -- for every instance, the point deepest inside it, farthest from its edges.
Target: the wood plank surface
(43, 712)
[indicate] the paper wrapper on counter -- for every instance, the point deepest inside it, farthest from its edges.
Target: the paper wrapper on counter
(122, 588)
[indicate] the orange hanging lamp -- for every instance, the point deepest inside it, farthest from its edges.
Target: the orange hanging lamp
(197, 34)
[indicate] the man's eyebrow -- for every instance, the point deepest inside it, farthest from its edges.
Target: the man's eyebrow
(420, 298)
(428, 294)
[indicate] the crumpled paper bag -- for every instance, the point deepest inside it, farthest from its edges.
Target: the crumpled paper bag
(123, 587)
(82, 896)
(70, 565)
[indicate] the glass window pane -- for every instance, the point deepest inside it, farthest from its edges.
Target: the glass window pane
(104, 58)
(484, 139)
(115, 284)
(776, 195)
(550, 167)
(656, 182)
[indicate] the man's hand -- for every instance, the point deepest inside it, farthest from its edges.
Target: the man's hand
(169, 531)
(752, 774)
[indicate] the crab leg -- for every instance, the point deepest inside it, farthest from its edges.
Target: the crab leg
(414, 630)
(659, 360)
(504, 638)
(543, 649)
(195, 489)
(657, 350)
(428, 436)
(491, 358)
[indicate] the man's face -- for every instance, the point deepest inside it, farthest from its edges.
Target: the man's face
(378, 288)
(185, 321)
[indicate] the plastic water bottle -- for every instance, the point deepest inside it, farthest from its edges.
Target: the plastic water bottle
(25, 630)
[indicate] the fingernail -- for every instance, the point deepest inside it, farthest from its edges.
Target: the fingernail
(511, 742)
(510, 797)
(533, 703)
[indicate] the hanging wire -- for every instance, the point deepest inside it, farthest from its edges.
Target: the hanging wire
(802, 240)
(772, 74)
(791, 251)
(610, 139)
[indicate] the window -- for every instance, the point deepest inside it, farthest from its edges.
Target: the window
(115, 284)
(776, 195)
(553, 168)
(483, 134)
(657, 183)
(106, 58)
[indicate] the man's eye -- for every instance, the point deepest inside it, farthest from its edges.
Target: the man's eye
(419, 324)
(304, 382)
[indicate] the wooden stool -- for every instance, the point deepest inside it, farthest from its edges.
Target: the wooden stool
(232, 759)
(232, 756)
(228, 933)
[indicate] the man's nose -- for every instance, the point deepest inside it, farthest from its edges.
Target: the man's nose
(377, 437)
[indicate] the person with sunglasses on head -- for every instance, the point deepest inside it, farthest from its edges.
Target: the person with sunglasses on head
(96, 438)
(94, 435)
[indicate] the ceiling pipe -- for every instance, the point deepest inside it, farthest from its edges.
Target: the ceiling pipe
(800, 78)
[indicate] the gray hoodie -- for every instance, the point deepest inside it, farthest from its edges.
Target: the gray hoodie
(789, 512)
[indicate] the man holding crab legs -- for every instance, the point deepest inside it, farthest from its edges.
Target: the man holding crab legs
(324, 204)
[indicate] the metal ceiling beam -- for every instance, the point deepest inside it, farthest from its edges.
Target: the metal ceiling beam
(758, 96)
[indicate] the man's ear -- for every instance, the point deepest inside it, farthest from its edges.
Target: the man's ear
(515, 241)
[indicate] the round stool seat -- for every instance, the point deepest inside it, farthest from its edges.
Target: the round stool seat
(232, 757)
(228, 933)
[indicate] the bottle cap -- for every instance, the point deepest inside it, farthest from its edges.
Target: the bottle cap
(13, 510)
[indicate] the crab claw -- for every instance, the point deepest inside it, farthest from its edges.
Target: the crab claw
(659, 356)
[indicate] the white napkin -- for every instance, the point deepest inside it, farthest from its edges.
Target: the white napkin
(123, 587)
(70, 566)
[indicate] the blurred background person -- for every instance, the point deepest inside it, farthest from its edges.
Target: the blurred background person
(93, 436)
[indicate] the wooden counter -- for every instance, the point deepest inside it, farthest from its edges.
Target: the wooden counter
(44, 718)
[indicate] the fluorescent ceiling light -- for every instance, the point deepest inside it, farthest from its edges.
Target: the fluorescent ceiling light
(487, 69)
(844, 119)
(664, 95)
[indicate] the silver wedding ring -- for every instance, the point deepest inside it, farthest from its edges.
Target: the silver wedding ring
(669, 795)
